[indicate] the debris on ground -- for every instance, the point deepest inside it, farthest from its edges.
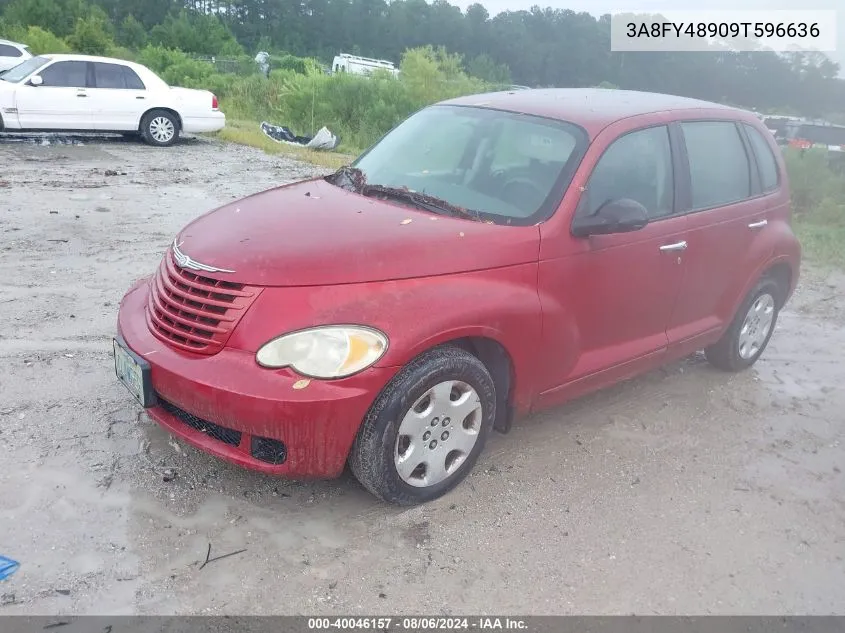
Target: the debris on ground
(322, 140)
(208, 558)
(8, 567)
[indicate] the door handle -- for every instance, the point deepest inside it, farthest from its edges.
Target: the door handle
(758, 225)
(81, 93)
(140, 97)
(677, 246)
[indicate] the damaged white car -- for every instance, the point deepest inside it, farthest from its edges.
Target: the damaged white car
(82, 93)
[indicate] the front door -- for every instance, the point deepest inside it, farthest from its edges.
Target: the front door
(608, 305)
(60, 102)
(118, 97)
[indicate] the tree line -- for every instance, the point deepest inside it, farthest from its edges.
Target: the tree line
(537, 47)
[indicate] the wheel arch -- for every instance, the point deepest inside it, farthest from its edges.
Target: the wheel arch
(169, 110)
(495, 356)
(782, 274)
(499, 363)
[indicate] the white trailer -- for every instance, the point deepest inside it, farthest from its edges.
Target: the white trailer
(346, 63)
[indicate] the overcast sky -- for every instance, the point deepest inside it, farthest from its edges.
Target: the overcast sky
(598, 7)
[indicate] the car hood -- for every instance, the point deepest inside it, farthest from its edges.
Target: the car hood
(314, 233)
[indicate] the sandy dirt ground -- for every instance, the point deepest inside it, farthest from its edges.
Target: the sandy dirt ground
(686, 491)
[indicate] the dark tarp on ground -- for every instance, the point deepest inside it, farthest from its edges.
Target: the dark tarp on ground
(323, 140)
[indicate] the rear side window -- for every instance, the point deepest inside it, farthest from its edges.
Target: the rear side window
(719, 169)
(9, 51)
(66, 75)
(637, 166)
(116, 77)
(765, 159)
(133, 81)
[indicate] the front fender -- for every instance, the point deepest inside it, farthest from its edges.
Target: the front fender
(8, 109)
(416, 314)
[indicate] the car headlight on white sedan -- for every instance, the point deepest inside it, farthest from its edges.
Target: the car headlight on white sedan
(333, 351)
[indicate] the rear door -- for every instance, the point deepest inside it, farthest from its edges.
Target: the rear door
(60, 102)
(726, 208)
(118, 97)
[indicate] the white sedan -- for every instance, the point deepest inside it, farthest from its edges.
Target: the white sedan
(12, 54)
(100, 94)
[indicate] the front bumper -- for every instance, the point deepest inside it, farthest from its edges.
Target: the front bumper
(249, 406)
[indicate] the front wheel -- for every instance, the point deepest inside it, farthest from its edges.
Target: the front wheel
(160, 128)
(749, 333)
(427, 428)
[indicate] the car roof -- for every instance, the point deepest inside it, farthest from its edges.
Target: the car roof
(592, 108)
(86, 58)
(11, 43)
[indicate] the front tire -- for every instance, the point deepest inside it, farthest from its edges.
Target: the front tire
(160, 128)
(427, 428)
(749, 333)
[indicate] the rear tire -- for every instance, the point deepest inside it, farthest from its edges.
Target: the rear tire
(160, 128)
(750, 331)
(425, 431)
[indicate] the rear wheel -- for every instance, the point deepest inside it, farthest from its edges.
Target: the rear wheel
(425, 431)
(160, 128)
(749, 333)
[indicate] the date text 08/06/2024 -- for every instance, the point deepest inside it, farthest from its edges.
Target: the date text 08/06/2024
(416, 623)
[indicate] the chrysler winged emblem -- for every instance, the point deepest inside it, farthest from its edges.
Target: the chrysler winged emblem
(186, 262)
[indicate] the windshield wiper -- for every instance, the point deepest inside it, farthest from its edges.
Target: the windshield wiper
(353, 179)
(347, 177)
(423, 201)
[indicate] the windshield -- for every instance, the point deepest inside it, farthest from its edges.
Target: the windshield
(24, 69)
(506, 167)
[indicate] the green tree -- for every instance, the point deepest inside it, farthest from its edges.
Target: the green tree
(131, 33)
(484, 67)
(92, 34)
(196, 33)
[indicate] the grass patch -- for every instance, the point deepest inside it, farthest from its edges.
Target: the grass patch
(822, 244)
(249, 133)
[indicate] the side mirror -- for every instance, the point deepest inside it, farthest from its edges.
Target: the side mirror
(614, 216)
(36, 80)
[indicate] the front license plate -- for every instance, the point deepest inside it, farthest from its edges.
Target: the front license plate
(134, 372)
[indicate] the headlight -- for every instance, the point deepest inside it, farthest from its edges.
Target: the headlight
(331, 351)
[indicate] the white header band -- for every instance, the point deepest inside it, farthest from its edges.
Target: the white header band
(781, 31)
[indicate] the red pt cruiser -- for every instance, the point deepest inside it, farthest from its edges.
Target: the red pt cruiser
(491, 256)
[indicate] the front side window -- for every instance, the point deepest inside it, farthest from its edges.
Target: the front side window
(24, 69)
(719, 169)
(504, 166)
(72, 74)
(765, 158)
(637, 166)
